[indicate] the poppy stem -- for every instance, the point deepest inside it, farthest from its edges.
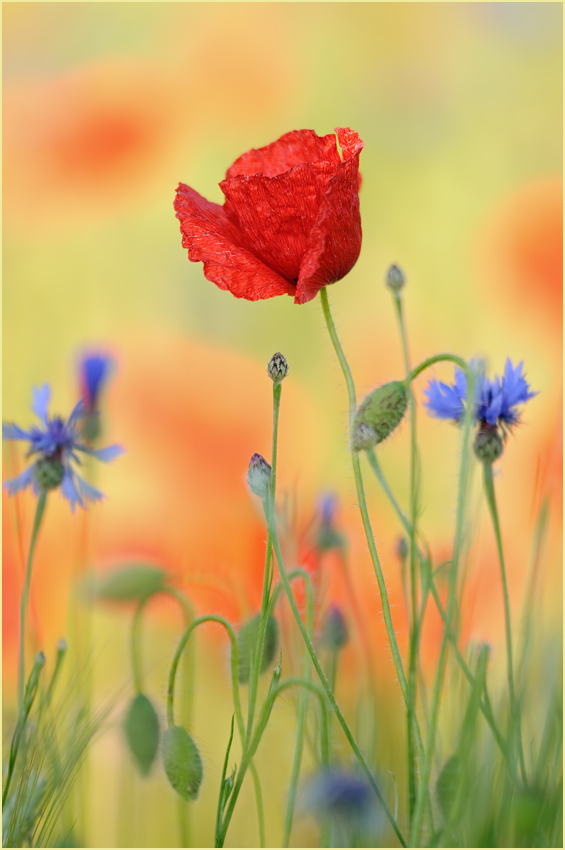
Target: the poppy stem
(39, 511)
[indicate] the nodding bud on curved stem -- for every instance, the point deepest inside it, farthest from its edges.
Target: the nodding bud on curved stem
(378, 415)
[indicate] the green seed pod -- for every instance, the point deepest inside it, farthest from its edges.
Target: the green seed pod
(247, 642)
(141, 727)
(48, 473)
(182, 762)
(378, 415)
(488, 445)
(131, 583)
(446, 785)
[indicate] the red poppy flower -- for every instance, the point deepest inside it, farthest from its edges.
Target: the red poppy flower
(290, 223)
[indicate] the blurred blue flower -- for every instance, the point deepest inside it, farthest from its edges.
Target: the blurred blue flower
(339, 794)
(56, 444)
(94, 371)
(495, 401)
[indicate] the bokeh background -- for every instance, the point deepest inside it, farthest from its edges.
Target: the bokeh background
(106, 107)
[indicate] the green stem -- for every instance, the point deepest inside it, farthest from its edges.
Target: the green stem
(414, 621)
(322, 677)
(261, 725)
(267, 576)
(438, 358)
(25, 595)
(485, 706)
(514, 704)
(302, 707)
(367, 522)
(451, 607)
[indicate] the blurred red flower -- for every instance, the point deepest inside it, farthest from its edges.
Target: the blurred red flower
(290, 223)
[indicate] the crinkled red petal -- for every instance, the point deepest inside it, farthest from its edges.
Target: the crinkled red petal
(335, 239)
(211, 238)
(295, 148)
(276, 215)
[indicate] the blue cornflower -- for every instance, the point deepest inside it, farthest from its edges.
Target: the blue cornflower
(94, 372)
(495, 401)
(347, 802)
(56, 444)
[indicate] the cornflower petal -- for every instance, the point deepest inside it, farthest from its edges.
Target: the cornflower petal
(10, 431)
(88, 491)
(444, 401)
(70, 491)
(41, 399)
(105, 455)
(78, 411)
(20, 482)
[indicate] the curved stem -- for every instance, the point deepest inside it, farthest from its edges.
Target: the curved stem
(514, 704)
(250, 752)
(39, 510)
(366, 520)
(438, 358)
(322, 677)
(451, 608)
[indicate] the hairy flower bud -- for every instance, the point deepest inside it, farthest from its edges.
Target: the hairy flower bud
(488, 444)
(259, 476)
(395, 279)
(378, 415)
(48, 473)
(141, 727)
(130, 583)
(247, 644)
(182, 762)
(277, 368)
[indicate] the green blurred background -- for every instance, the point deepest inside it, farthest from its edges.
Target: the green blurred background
(107, 106)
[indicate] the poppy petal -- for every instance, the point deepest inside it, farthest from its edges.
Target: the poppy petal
(335, 239)
(294, 148)
(276, 215)
(211, 238)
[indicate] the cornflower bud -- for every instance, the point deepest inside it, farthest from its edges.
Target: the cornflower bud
(378, 415)
(259, 476)
(402, 548)
(488, 444)
(334, 630)
(48, 473)
(395, 279)
(277, 368)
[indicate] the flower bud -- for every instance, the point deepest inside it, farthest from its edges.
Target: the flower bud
(395, 279)
(247, 646)
(141, 727)
(182, 762)
(131, 583)
(402, 548)
(48, 473)
(488, 445)
(277, 368)
(334, 630)
(378, 415)
(259, 476)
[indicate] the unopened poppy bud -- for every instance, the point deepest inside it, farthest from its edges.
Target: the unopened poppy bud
(48, 473)
(395, 279)
(259, 476)
(277, 368)
(131, 583)
(488, 445)
(141, 727)
(247, 644)
(182, 762)
(334, 630)
(378, 415)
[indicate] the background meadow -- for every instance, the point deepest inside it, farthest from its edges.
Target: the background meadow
(106, 107)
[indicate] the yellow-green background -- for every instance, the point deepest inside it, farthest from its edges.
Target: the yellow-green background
(108, 105)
